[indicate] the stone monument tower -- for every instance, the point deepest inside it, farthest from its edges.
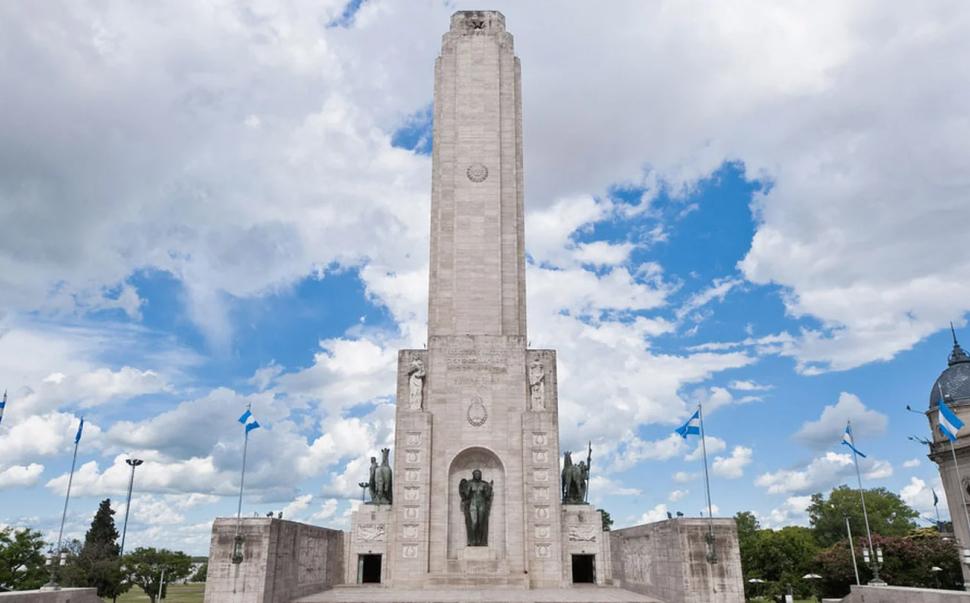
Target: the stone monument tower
(476, 447)
(953, 385)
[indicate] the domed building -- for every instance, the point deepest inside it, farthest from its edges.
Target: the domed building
(953, 385)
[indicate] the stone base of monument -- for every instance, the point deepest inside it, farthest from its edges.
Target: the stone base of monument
(576, 594)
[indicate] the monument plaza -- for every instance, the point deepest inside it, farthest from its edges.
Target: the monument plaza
(472, 502)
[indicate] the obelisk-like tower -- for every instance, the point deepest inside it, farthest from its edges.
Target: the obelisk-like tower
(476, 399)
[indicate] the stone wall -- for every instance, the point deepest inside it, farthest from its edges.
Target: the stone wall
(65, 595)
(282, 560)
(582, 534)
(371, 528)
(668, 560)
(901, 594)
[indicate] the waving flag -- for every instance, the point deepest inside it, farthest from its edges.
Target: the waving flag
(249, 421)
(692, 426)
(936, 500)
(847, 440)
(3, 405)
(80, 428)
(950, 423)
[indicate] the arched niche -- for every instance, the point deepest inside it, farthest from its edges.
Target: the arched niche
(492, 470)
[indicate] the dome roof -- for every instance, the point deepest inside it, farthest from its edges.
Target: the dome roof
(955, 380)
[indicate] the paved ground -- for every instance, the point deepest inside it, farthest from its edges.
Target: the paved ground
(579, 594)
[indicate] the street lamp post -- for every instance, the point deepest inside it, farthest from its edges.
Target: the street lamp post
(124, 530)
(874, 560)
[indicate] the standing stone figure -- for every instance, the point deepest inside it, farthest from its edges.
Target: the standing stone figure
(416, 375)
(476, 503)
(382, 480)
(537, 385)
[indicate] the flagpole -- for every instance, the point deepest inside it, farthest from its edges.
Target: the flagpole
(242, 481)
(865, 513)
(712, 557)
(855, 566)
(52, 585)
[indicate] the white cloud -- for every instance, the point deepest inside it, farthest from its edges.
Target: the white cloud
(676, 495)
(911, 464)
(732, 467)
(19, 476)
(821, 473)
(714, 445)
(919, 495)
(45, 435)
(828, 429)
(600, 486)
(658, 513)
(682, 477)
(748, 386)
(794, 511)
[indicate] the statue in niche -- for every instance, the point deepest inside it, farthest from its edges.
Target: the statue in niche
(476, 503)
(575, 480)
(380, 480)
(416, 375)
(537, 385)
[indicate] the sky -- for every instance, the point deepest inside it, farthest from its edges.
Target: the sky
(206, 205)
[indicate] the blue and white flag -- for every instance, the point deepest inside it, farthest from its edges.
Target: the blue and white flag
(950, 423)
(80, 428)
(249, 421)
(692, 426)
(849, 441)
(3, 405)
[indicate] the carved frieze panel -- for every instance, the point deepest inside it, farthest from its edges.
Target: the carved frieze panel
(412, 475)
(543, 532)
(412, 456)
(540, 475)
(540, 456)
(413, 439)
(409, 551)
(540, 493)
(539, 438)
(371, 533)
(409, 531)
(411, 493)
(585, 533)
(411, 513)
(542, 512)
(543, 550)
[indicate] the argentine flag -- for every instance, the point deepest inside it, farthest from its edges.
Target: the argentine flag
(249, 421)
(848, 440)
(80, 428)
(692, 426)
(950, 423)
(3, 405)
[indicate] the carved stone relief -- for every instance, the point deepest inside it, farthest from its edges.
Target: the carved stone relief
(582, 533)
(374, 533)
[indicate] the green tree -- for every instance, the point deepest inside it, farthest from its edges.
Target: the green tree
(607, 520)
(907, 561)
(200, 573)
(779, 557)
(22, 559)
(98, 564)
(145, 567)
(748, 528)
(888, 514)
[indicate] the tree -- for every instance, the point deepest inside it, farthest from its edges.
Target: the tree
(748, 528)
(22, 559)
(145, 567)
(200, 573)
(907, 562)
(607, 520)
(888, 514)
(98, 564)
(780, 558)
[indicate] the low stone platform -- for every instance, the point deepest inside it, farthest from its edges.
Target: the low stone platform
(577, 594)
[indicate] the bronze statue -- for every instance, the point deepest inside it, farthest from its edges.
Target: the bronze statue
(476, 503)
(371, 480)
(575, 480)
(381, 491)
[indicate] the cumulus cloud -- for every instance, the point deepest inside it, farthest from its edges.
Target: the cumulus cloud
(714, 445)
(732, 467)
(919, 495)
(676, 495)
(829, 427)
(794, 511)
(658, 513)
(20, 475)
(821, 474)
(911, 463)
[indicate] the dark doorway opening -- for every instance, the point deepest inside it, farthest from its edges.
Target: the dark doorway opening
(369, 569)
(584, 570)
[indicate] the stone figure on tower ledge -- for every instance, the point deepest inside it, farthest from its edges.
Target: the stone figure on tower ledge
(380, 480)
(416, 375)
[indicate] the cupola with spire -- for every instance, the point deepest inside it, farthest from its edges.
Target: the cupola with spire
(954, 381)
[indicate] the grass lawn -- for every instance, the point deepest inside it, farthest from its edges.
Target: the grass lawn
(177, 593)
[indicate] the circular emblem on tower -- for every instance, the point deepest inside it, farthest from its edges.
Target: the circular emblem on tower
(477, 172)
(477, 413)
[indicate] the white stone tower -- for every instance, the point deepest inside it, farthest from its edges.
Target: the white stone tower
(476, 398)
